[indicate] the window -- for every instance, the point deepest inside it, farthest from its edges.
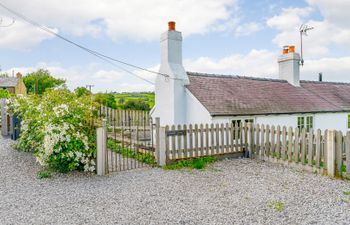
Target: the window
(305, 122)
(349, 121)
(238, 123)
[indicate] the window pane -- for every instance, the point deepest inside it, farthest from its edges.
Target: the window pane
(311, 122)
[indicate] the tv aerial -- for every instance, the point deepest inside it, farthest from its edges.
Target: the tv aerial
(304, 28)
(7, 25)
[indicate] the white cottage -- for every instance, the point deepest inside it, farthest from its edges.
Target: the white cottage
(186, 97)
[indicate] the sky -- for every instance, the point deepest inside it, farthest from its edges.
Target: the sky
(238, 37)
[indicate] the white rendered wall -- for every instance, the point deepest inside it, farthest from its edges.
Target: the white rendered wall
(336, 121)
(289, 120)
(322, 121)
(170, 92)
(196, 112)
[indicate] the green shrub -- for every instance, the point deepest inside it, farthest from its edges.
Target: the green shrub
(57, 128)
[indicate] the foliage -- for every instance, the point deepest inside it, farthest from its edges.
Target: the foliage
(136, 104)
(56, 127)
(145, 97)
(131, 101)
(4, 93)
(346, 192)
(46, 173)
(43, 79)
(106, 99)
(130, 153)
(277, 205)
(196, 163)
(82, 91)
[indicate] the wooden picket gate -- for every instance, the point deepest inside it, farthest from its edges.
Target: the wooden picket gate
(129, 142)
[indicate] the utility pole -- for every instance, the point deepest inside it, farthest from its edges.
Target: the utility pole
(90, 86)
(37, 87)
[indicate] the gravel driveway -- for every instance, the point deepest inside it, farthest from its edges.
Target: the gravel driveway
(231, 192)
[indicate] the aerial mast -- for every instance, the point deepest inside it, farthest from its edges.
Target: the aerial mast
(303, 31)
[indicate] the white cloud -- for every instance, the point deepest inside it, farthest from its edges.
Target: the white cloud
(330, 31)
(334, 11)
(263, 63)
(247, 29)
(128, 87)
(260, 63)
(289, 19)
(333, 69)
(103, 80)
(20, 35)
(107, 76)
(134, 19)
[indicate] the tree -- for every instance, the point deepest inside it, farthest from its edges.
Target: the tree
(4, 93)
(43, 79)
(121, 101)
(82, 91)
(107, 99)
(136, 104)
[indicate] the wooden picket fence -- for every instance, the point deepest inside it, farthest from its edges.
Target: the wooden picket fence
(120, 118)
(303, 148)
(189, 141)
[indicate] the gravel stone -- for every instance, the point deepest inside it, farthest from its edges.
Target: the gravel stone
(237, 191)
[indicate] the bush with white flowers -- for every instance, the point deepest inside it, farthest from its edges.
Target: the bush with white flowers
(58, 128)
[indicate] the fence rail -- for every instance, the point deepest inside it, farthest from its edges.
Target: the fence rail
(311, 150)
(125, 117)
(128, 140)
(325, 152)
(189, 141)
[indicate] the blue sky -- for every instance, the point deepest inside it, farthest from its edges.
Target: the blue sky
(220, 36)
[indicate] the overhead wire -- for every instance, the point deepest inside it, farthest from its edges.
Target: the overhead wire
(103, 57)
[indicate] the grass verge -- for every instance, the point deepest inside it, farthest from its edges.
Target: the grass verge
(196, 163)
(147, 158)
(44, 173)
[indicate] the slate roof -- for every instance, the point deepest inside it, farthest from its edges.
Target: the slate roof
(8, 81)
(237, 95)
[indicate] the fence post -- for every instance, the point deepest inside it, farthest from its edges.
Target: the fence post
(4, 122)
(330, 153)
(250, 140)
(160, 143)
(102, 166)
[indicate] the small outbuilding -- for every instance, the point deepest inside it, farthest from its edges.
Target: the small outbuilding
(14, 85)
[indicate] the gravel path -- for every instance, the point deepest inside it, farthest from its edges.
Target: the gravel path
(231, 192)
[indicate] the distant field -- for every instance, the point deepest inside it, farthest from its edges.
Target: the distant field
(148, 97)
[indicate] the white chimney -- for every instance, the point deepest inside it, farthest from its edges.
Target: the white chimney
(170, 99)
(289, 64)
